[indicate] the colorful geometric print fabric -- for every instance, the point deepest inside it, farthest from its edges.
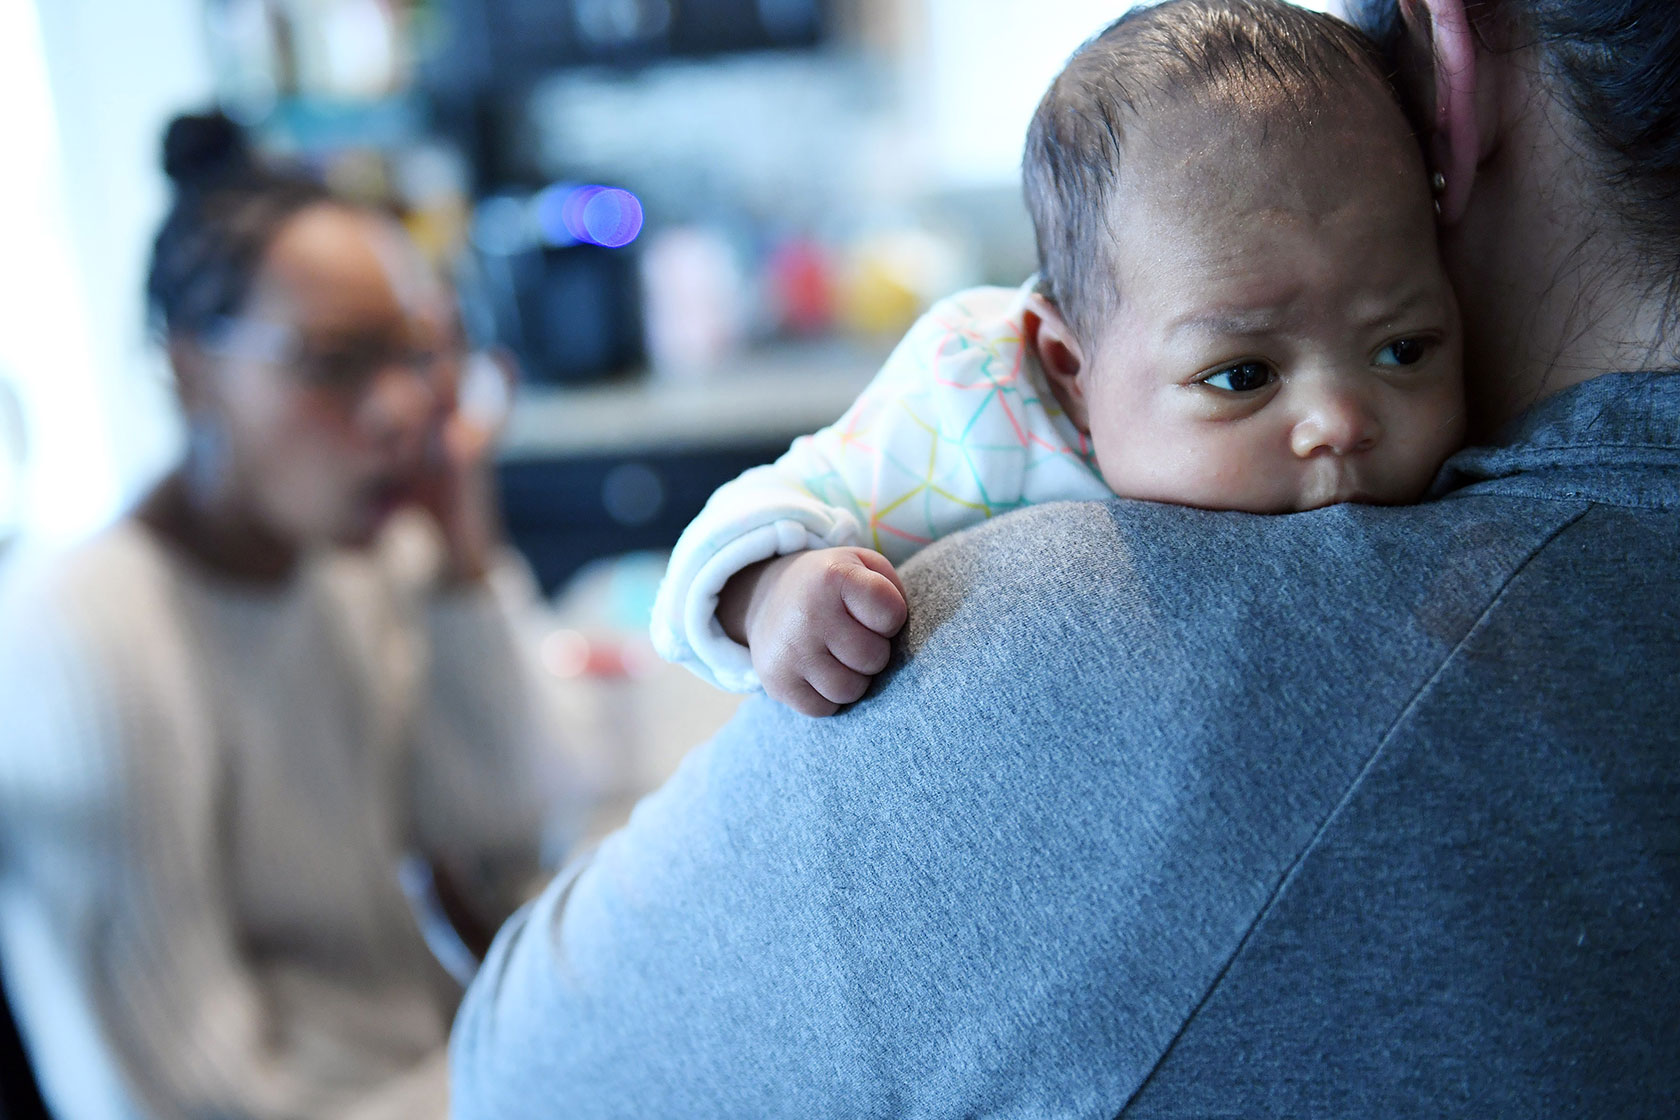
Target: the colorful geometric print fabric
(957, 427)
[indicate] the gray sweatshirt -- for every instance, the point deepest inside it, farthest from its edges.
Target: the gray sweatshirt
(1173, 813)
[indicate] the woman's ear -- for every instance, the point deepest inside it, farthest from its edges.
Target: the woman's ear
(1442, 32)
(1047, 334)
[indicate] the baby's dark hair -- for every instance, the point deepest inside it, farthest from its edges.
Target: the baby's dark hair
(1234, 54)
(228, 209)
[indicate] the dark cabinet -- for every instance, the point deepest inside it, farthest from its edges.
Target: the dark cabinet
(498, 42)
(562, 513)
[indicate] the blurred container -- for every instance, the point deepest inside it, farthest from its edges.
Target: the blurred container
(347, 49)
(252, 66)
(432, 180)
(559, 275)
(333, 50)
(694, 301)
(892, 275)
(800, 284)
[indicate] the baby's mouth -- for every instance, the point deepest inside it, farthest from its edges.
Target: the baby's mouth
(1336, 493)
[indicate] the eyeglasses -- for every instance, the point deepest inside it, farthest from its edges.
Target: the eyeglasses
(347, 365)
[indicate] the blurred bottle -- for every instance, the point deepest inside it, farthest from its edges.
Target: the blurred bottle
(268, 50)
(432, 179)
(800, 284)
(694, 301)
(351, 50)
(895, 272)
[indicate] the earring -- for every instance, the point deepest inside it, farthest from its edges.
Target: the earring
(1438, 182)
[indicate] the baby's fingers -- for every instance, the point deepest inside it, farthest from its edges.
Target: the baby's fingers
(818, 687)
(800, 696)
(873, 595)
(834, 681)
(857, 647)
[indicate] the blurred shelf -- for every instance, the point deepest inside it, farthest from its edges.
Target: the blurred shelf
(324, 124)
(598, 470)
(771, 395)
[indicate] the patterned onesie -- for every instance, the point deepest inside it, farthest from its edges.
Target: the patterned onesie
(958, 426)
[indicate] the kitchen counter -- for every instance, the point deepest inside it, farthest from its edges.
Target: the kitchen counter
(770, 394)
(597, 470)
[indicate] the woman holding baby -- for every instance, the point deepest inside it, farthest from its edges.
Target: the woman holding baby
(1163, 811)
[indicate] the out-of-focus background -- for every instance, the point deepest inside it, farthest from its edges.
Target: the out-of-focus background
(698, 225)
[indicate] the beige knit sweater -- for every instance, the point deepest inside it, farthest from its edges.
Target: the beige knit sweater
(205, 793)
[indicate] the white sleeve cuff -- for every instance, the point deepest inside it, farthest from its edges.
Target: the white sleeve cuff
(699, 642)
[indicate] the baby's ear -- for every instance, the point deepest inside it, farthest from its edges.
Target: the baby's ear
(1046, 332)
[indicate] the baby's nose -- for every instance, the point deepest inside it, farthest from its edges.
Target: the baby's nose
(1336, 421)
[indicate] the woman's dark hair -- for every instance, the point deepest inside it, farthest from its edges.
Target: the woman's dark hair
(1619, 66)
(228, 208)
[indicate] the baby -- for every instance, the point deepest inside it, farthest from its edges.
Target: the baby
(1240, 307)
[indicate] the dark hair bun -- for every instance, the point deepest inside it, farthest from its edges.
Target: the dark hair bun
(202, 147)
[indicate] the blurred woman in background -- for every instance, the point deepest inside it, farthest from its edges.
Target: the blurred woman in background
(232, 715)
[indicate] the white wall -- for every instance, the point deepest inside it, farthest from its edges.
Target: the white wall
(984, 66)
(88, 86)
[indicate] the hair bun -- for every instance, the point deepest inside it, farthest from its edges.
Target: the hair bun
(200, 147)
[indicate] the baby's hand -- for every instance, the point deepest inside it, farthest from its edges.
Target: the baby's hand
(819, 624)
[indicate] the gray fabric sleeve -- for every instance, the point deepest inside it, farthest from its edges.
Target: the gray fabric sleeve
(1003, 882)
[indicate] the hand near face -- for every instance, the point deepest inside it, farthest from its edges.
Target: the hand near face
(819, 624)
(458, 486)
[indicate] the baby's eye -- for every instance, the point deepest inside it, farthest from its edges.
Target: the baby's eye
(1244, 377)
(1402, 352)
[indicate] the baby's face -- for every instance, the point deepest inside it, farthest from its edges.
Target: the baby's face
(1285, 337)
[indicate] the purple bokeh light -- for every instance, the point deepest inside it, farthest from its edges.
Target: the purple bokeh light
(569, 213)
(548, 209)
(611, 218)
(571, 210)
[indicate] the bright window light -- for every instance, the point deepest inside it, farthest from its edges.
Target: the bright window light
(70, 483)
(989, 62)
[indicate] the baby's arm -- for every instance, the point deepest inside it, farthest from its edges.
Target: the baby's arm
(854, 485)
(819, 624)
(768, 512)
(951, 431)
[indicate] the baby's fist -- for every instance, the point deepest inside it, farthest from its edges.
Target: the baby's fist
(820, 625)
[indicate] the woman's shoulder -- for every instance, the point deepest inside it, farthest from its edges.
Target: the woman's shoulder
(1260, 599)
(118, 574)
(89, 666)
(93, 619)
